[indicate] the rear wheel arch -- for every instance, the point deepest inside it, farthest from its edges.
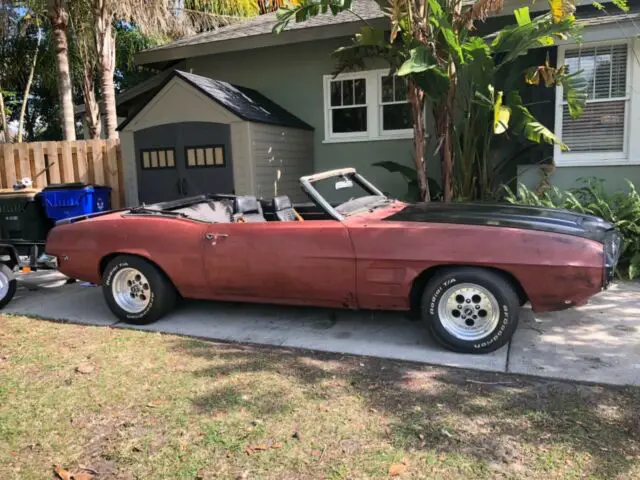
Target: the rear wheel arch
(421, 281)
(104, 261)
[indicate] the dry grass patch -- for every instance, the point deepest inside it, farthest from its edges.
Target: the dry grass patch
(136, 405)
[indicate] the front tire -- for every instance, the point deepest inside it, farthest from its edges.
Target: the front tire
(136, 291)
(470, 310)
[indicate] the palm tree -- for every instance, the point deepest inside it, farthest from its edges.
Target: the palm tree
(81, 22)
(58, 14)
(160, 18)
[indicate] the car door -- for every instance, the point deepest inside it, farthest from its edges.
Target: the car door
(308, 262)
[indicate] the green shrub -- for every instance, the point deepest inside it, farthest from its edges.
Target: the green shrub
(621, 208)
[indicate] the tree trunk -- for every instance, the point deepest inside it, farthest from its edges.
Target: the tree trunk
(59, 17)
(106, 48)
(27, 90)
(420, 29)
(446, 133)
(447, 118)
(92, 109)
(3, 120)
(417, 101)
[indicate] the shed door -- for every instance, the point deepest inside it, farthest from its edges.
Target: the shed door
(183, 159)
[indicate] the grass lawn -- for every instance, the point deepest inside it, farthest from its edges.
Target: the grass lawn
(128, 404)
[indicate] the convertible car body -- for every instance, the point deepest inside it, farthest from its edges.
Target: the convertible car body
(466, 267)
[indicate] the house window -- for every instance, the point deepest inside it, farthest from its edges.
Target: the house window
(205, 156)
(348, 106)
(601, 133)
(370, 105)
(158, 158)
(395, 110)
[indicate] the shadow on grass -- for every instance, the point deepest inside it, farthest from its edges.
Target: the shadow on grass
(494, 418)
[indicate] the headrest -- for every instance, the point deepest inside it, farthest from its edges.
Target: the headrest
(247, 204)
(281, 203)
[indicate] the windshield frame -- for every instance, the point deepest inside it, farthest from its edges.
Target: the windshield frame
(308, 181)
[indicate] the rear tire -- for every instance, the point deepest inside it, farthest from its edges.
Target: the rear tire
(8, 285)
(470, 310)
(136, 291)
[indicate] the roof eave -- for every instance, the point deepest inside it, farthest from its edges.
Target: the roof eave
(321, 32)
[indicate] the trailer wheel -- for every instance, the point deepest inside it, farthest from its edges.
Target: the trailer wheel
(8, 285)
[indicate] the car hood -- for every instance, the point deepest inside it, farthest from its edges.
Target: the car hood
(507, 215)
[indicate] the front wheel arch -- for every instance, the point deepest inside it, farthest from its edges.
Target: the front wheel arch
(421, 281)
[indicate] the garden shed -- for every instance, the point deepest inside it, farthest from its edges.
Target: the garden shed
(198, 135)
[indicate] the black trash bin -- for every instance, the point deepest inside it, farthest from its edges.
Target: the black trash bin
(23, 221)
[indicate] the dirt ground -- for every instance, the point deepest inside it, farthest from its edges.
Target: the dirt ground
(118, 404)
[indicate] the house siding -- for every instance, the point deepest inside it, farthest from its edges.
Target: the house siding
(292, 76)
(242, 165)
(128, 148)
(280, 157)
(614, 177)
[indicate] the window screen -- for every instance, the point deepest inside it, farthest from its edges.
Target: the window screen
(601, 128)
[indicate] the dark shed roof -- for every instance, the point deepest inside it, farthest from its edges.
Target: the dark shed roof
(245, 103)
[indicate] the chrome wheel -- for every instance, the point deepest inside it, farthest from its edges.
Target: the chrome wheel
(131, 290)
(469, 312)
(4, 285)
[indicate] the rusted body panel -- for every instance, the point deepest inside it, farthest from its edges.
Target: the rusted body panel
(174, 244)
(361, 262)
(281, 262)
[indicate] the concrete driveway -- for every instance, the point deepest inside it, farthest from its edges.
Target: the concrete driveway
(599, 342)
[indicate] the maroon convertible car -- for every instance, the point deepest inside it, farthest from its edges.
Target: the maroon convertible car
(466, 268)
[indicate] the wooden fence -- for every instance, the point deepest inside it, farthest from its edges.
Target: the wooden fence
(90, 161)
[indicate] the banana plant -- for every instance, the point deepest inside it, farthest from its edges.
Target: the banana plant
(433, 44)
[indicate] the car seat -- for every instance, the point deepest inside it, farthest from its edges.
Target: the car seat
(283, 209)
(247, 209)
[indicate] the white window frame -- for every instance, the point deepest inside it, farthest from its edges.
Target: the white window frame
(373, 81)
(404, 133)
(575, 159)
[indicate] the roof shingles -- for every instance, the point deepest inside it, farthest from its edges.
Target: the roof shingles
(263, 24)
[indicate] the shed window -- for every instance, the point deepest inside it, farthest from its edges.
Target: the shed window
(158, 158)
(602, 130)
(205, 156)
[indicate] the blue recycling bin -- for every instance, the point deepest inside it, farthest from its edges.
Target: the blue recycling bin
(75, 199)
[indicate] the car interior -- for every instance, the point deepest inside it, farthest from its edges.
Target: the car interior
(235, 209)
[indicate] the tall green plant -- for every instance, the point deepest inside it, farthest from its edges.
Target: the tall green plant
(410, 176)
(487, 91)
(431, 43)
(621, 209)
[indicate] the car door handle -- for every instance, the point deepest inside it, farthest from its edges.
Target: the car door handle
(215, 237)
